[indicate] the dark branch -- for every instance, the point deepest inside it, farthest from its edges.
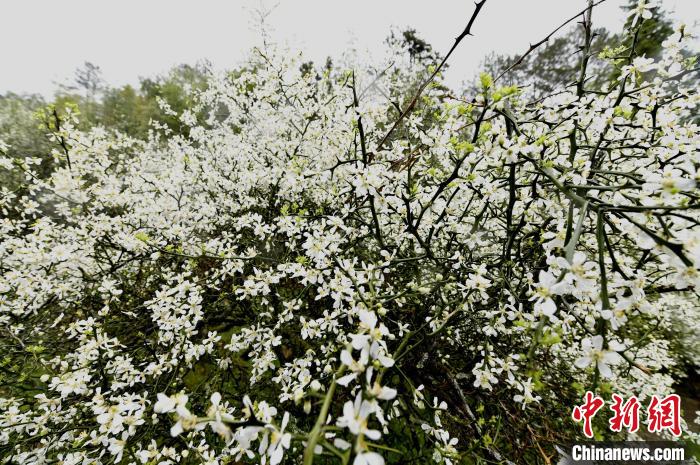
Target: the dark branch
(409, 108)
(533, 47)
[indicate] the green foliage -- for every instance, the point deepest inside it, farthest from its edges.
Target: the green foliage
(557, 62)
(177, 89)
(129, 109)
(652, 33)
(418, 49)
(552, 65)
(20, 130)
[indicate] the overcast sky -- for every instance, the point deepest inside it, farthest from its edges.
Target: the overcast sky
(43, 41)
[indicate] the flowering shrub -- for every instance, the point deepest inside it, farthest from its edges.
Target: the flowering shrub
(298, 279)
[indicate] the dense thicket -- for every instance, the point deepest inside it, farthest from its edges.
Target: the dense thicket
(315, 265)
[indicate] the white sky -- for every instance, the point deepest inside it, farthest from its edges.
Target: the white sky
(43, 41)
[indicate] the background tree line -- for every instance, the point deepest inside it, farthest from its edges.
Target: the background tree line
(130, 109)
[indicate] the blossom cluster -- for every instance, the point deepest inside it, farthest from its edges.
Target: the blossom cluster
(295, 281)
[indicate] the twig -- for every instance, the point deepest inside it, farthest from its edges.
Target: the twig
(407, 111)
(549, 36)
